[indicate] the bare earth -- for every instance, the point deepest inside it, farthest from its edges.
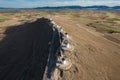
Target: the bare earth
(24, 50)
(94, 58)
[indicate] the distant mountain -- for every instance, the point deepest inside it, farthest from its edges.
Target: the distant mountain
(1, 8)
(116, 7)
(79, 7)
(5, 8)
(70, 7)
(100, 7)
(60, 7)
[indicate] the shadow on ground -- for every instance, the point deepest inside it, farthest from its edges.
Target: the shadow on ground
(24, 51)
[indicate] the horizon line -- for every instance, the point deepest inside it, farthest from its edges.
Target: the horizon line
(60, 6)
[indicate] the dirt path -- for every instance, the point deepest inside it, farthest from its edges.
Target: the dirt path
(24, 51)
(94, 57)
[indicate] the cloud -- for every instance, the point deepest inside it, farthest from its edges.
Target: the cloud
(39, 3)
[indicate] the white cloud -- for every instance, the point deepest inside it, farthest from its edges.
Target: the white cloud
(39, 3)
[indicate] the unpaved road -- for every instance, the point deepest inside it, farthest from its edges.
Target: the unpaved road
(24, 51)
(94, 57)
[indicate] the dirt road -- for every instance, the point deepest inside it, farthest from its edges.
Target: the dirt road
(24, 51)
(94, 57)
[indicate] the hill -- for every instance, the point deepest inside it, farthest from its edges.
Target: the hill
(70, 7)
(79, 7)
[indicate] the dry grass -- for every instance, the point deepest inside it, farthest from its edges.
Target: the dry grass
(102, 21)
(5, 16)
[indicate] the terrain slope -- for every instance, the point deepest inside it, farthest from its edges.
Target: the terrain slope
(24, 50)
(94, 57)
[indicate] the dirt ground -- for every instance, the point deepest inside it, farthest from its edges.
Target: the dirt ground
(95, 56)
(24, 50)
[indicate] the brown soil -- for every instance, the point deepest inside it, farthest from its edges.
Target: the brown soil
(113, 37)
(94, 57)
(24, 50)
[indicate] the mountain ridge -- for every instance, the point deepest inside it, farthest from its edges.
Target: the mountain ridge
(79, 7)
(69, 7)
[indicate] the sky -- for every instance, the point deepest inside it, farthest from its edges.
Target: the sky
(42, 3)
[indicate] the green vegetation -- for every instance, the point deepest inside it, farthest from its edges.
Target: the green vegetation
(8, 14)
(118, 22)
(110, 15)
(97, 21)
(104, 27)
(5, 16)
(113, 30)
(102, 21)
(2, 18)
